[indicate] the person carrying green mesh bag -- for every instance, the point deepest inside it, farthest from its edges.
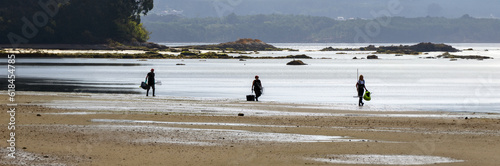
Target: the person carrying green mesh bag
(360, 86)
(367, 96)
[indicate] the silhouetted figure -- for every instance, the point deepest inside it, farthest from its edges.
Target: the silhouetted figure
(257, 88)
(360, 85)
(150, 79)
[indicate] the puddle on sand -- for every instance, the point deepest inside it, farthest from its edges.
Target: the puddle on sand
(75, 113)
(204, 137)
(185, 123)
(375, 159)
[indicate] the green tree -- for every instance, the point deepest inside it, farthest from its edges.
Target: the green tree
(79, 21)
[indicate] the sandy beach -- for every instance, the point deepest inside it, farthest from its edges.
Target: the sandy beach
(130, 129)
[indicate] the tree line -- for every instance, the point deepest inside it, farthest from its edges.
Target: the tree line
(299, 28)
(73, 21)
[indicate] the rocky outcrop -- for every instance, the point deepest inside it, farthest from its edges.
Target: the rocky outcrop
(401, 49)
(372, 57)
(416, 49)
(239, 45)
(303, 56)
(450, 56)
(296, 62)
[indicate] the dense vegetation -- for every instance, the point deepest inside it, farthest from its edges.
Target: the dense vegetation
(73, 21)
(297, 28)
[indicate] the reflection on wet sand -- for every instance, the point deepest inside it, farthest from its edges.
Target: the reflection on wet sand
(75, 86)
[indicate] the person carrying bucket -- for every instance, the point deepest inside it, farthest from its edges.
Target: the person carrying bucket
(150, 79)
(360, 86)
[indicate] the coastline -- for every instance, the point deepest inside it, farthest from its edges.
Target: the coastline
(240, 49)
(103, 129)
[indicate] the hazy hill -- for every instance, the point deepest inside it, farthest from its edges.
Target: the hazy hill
(297, 28)
(329, 8)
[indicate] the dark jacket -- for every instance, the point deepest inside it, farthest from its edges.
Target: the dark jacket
(151, 78)
(257, 85)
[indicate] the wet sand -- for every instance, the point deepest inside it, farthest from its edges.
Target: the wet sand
(130, 129)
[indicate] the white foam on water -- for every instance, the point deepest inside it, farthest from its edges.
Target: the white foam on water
(376, 159)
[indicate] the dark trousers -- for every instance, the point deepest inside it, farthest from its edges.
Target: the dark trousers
(360, 94)
(258, 93)
(151, 86)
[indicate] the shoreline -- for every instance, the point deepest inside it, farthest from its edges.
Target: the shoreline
(150, 50)
(104, 129)
(235, 106)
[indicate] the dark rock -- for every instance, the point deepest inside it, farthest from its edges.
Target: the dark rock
(416, 49)
(372, 57)
(420, 47)
(448, 55)
(329, 49)
(296, 62)
(355, 58)
(180, 64)
(38, 115)
(153, 45)
(303, 56)
(369, 48)
(241, 114)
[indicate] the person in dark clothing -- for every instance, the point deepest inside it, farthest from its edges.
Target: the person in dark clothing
(257, 88)
(150, 79)
(360, 85)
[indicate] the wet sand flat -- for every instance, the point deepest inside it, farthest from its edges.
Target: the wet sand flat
(128, 129)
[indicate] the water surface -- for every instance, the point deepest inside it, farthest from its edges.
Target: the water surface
(396, 82)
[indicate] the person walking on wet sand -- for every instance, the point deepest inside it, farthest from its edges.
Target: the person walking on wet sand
(257, 88)
(360, 85)
(150, 79)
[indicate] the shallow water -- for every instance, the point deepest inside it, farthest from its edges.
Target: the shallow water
(397, 83)
(374, 159)
(211, 137)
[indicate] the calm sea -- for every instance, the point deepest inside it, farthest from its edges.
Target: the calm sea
(397, 82)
